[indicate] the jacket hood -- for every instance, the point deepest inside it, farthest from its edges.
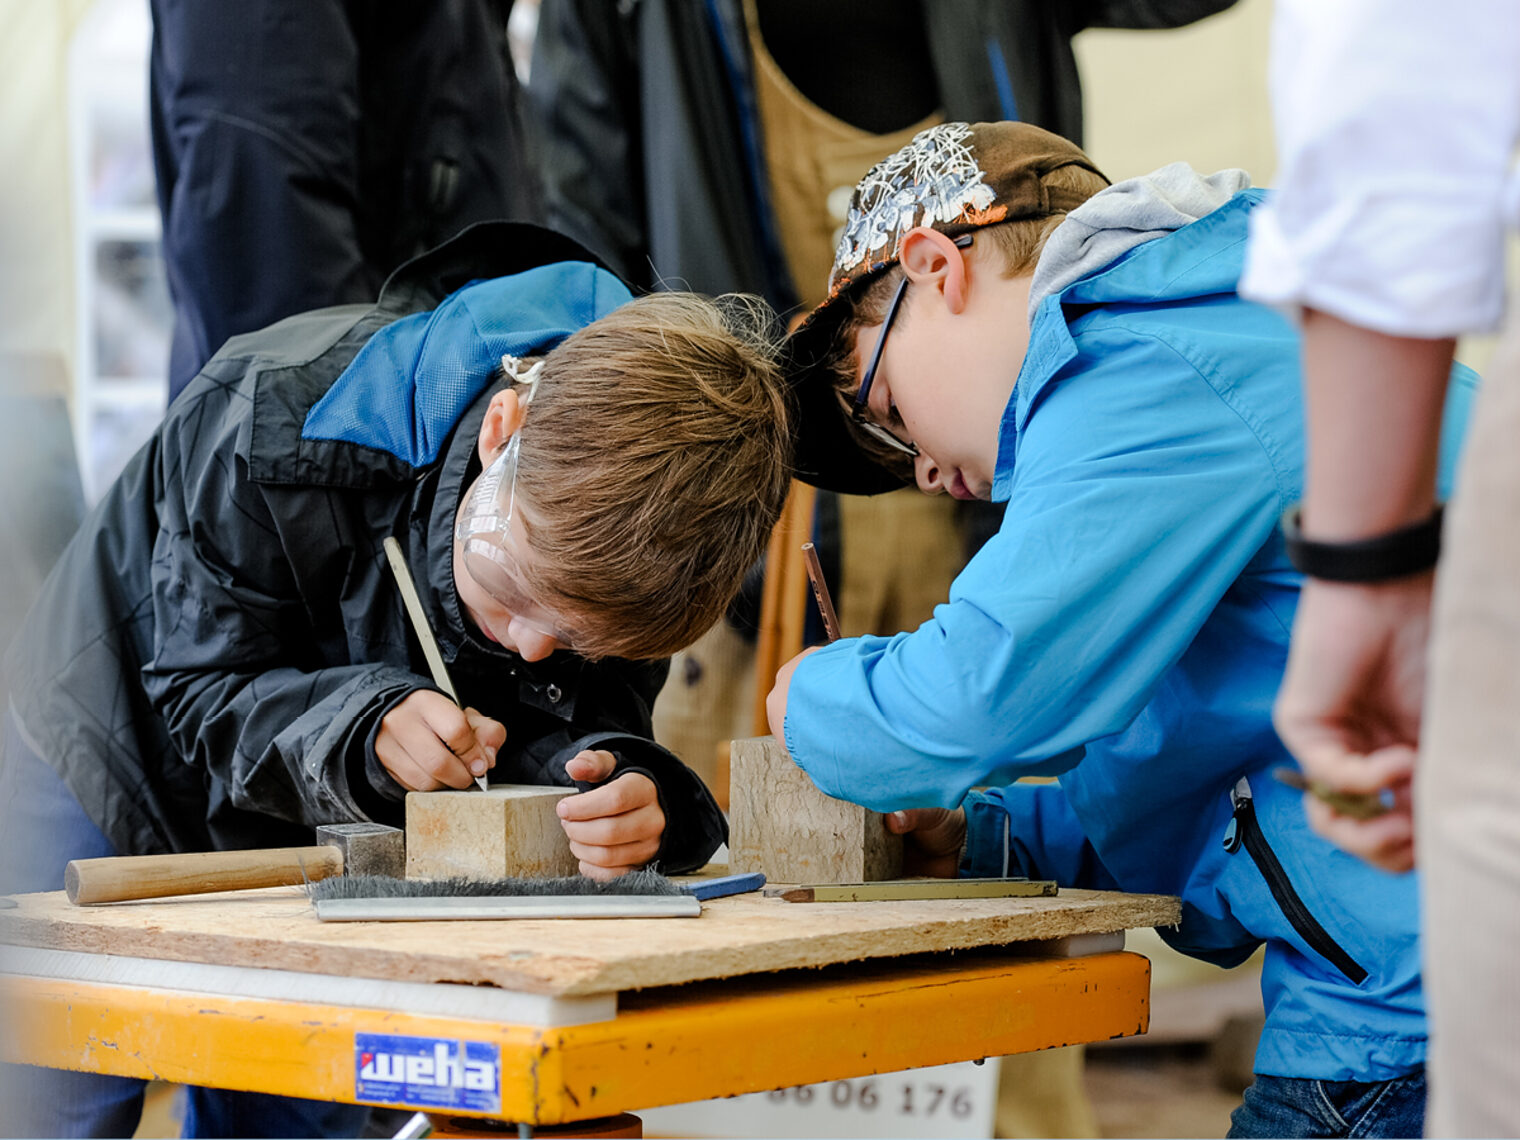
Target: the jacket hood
(369, 394)
(406, 389)
(1148, 245)
(1139, 212)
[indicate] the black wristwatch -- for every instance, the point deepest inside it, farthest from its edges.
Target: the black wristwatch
(1400, 553)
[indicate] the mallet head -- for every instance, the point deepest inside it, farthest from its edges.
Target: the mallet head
(368, 848)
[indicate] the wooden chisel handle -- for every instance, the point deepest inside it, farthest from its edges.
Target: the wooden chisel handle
(124, 877)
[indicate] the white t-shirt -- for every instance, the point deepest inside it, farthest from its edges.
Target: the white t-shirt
(1397, 121)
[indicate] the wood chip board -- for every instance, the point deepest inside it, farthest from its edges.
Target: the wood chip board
(744, 934)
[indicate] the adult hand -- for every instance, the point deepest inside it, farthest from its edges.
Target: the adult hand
(775, 703)
(428, 742)
(1349, 707)
(615, 828)
(933, 838)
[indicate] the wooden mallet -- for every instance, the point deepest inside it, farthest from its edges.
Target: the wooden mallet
(342, 849)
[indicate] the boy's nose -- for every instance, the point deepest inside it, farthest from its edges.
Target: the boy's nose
(927, 472)
(531, 644)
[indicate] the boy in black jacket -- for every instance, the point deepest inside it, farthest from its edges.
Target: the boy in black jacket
(222, 660)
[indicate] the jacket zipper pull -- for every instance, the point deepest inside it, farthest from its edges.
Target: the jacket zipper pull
(1240, 801)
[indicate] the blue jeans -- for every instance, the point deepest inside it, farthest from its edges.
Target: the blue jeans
(1291, 1106)
(42, 827)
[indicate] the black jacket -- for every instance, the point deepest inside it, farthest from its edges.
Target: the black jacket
(209, 660)
(651, 150)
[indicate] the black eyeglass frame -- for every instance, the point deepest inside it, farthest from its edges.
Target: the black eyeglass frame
(863, 393)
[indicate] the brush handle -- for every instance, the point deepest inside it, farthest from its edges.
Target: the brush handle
(124, 877)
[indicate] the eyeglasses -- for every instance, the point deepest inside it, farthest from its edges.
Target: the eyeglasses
(863, 393)
(486, 539)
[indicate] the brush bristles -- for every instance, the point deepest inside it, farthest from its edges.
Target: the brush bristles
(383, 887)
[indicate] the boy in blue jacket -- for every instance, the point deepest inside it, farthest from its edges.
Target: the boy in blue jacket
(221, 658)
(1003, 324)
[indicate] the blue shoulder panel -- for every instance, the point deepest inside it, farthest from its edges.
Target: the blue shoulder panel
(406, 389)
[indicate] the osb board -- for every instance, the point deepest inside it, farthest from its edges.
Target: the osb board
(743, 934)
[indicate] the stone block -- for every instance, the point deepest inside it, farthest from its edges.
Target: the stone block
(782, 825)
(506, 831)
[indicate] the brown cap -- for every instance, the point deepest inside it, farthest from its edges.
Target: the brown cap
(955, 178)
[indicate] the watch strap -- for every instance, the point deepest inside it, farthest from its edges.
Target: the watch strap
(1411, 549)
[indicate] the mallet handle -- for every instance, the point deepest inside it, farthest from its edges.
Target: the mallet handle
(124, 877)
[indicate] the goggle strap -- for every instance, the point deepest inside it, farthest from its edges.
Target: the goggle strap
(511, 367)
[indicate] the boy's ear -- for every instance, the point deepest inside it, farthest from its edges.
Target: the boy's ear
(504, 415)
(930, 259)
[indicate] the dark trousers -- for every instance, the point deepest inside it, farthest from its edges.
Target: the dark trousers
(1292, 1106)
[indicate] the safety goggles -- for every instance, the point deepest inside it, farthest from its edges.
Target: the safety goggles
(861, 412)
(488, 542)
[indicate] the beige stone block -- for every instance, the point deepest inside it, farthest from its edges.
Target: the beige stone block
(506, 831)
(781, 824)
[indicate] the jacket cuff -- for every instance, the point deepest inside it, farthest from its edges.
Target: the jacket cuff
(694, 825)
(1032, 831)
(379, 796)
(988, 852)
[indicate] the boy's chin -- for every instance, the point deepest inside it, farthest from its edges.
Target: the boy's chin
(960, 489)
(485, 630)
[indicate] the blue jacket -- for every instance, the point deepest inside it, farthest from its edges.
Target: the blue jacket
(1127, 630)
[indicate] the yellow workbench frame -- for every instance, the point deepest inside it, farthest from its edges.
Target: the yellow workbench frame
(664, 1046)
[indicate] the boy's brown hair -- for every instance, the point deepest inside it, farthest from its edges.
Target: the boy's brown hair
(655, 458)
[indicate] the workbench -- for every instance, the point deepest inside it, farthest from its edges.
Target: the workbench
(543, 1022)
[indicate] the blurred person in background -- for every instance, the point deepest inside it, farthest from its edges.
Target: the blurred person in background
(305, 150)
(1397, 123)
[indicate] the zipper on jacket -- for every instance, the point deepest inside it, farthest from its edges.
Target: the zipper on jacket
(1245, 830)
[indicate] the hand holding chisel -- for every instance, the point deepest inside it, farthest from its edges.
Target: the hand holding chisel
(407, 744)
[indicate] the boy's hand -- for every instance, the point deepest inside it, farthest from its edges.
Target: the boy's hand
(613, 829)
(775, 703)
(428, 742)
(934, 838)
